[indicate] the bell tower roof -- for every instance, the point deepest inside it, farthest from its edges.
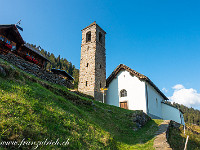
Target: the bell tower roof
(92, 24)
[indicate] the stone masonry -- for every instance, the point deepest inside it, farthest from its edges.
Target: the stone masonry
(35, 70)
(92, 75)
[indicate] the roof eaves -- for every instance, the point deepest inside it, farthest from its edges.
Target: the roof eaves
(16, 30)
(22, 40)
(54, 69)
(34, 50)
(157, 89)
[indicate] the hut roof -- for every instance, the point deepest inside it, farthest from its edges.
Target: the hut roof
(62, 72)
(35, 50)
(11, 32)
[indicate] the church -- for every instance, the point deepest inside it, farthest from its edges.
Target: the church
(131, 90)
(127, 88)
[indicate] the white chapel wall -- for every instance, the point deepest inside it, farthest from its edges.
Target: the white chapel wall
(112, 97)
(154, 102)
(171, 113)
(135, 91)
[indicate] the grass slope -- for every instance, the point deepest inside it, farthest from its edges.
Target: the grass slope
(36, 110)
(177, 138)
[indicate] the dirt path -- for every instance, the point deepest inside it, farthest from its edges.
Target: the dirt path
(160, 143)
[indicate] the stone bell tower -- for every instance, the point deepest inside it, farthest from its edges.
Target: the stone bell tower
(92, 75)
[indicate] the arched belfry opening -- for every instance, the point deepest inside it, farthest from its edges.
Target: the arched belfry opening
(88, 36)
(100, 37)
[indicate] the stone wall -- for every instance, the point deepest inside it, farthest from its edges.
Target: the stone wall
(35, 70)
(87, 63)
(140, 118)
(100, 63)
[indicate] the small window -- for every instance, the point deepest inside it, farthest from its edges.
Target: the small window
(100, 66)
(156, 102)
(123, 93)
(13, 48)
(86, 83)
(100, 84)
(88, 36)
(100, 37)
(87, 65)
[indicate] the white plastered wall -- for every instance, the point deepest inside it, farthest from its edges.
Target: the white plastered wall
(137, 98)
(154, 102)
(171, 113)
(135, 88)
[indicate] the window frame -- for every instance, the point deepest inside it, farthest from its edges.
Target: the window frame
(123, 93)
(88, 36)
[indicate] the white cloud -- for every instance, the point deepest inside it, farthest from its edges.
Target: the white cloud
(178, 87)
(188, 97)
(164, 90)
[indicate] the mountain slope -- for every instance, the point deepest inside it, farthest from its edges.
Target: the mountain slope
(35, 110)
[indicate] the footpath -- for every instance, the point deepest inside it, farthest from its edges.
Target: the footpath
(160, 143)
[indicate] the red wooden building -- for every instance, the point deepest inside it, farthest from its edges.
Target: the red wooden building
(12, 42)
(32, 54)
(10, 39)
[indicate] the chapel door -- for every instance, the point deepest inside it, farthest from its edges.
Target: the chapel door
(124, 105)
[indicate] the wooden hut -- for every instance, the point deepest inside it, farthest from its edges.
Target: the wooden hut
(32, 55)
(10, 39)
(12, 42)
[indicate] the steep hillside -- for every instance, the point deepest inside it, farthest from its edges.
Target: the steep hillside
(177, 138)
(191, 115)
(33, 110)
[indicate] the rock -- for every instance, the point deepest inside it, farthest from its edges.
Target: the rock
(140, 118)
(12, 67)
(20, 67)
(134, 119)
(2, 71)
(138, 125)
(135, 129)
(110, 111)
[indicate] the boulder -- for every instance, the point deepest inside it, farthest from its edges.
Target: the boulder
(2, 71)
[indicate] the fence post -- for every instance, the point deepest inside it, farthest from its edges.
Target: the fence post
(186, 143)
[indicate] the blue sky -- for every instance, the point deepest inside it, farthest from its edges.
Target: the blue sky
(160, 39)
